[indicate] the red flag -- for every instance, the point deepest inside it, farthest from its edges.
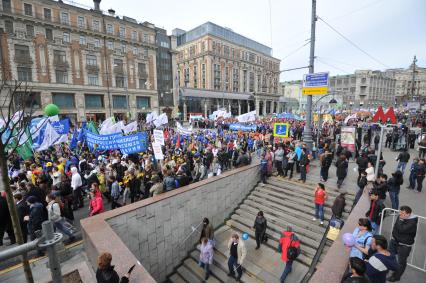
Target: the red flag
(178, 141)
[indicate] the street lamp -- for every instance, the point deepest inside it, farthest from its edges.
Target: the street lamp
(333, 101)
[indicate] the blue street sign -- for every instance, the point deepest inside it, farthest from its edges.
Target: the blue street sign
(316, 80)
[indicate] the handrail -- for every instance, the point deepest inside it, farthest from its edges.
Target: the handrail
(317, 256)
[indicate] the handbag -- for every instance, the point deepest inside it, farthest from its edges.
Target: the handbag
(333, 232)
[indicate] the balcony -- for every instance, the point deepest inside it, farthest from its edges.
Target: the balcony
(118, 69)
(142, 74)
(23, 59)
(60, 65)
(92, 69)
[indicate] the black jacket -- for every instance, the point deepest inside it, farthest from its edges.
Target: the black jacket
(304, 160)
(362, 163)
(362, 182)
(342, 168)
(404, 230)
(109, 275)
(338, 206)
(260, 224)
(37, 216)
(403, 157)
(377, 212)
(348, 279)
(23, 210)
(394, 185)
(4, 213)
(381, 188)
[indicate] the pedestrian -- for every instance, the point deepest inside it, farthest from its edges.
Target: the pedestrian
(403, 237)
(96, 205)
(279, 157)
(413, 177)
(380, 260)
(76, 185)
(207, 230)
(374, 213)
(394, 186)
(291, 158)
(206, 256)
(422, 148)
(362, 235)
(260, 225)
(115, 192)
(420, 170)
(357, 274)
(5, 221)
(237, 254)
(106, 273)
(362, 163)
(263, 169)
(381, 185)
(269, 158)
(326, 160)
(157, 187)
(402, 159)
(342, 170)
(303, 163)
(289, 247)
(362, 182)
(320, 197)
(55, 216)
(338, 206)
(371, 176)
(23, 210)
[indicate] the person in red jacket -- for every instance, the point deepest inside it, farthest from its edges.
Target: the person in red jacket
(96, 203)
(320, 197)
(288, 240)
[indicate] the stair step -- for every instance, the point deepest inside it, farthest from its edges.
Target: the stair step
(272, 242)
(191, 264)
(215, 270)
(175, 278)
(308, 241)
(187, 274)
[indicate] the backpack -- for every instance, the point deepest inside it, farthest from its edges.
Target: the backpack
(292, 252)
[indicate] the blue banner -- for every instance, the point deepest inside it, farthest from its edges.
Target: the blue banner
(126, 144)
(62, 127)
(242, 127)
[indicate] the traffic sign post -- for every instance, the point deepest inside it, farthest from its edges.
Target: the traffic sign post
(315, 84)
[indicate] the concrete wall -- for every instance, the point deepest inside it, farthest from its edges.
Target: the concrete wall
(153, 231)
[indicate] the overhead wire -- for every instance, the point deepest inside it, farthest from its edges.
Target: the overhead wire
(296, 50)
(331, 65)
(352, 43)
(357, 10)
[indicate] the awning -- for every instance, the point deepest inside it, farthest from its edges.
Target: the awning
(191, 92)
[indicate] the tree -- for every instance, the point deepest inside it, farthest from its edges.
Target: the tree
(15, 115)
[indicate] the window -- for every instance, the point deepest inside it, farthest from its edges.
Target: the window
(82, 40)
(63, 100)
(119, 81)
(123, 48)
(96, 25)
(109, 29)
(142, 83)
(119, 101)
(49, 34)
(134, 35)
(122, 32)
(203, 74)
(94, 101)
(97, 43)
(135, 50)
(7, 6)
(61, 77)
(216, 71)
(30, 30)
(65, 18)
(59, 57)
(32, 100)
(195, 77)
(91, 60)
(92, 79)
(22, 52)
(47, 14)
(24, 74)
(66, 37)
(28, 9)
(110, 45)
(145, 38)
(8, 25)
(80, 22)
(141, 69)
(251, 82)
(143, 102)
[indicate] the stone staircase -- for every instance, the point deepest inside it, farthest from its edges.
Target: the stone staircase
(284, 203)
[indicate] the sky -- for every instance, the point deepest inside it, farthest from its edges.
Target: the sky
(391, 32)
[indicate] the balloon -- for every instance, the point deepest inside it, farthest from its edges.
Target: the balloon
(348, 239)
(245, 236)
(51, 110)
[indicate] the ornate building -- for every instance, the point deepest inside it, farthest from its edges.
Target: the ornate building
(218, 68)
(89, 63)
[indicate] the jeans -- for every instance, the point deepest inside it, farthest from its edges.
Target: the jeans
(340, 182)
(319, 211)
(77, 198)
(324, 173)
(394, 196)
(402, 253)
(420, 183)
(412, 180)
(286, 271)
(401, 167)
(259, 238)
(374, 227)
(206, 268)
(279, 165)
(263, 175)
(303, 172)
(125, 194)
(114, 203)
(290, 166)
(233, 265)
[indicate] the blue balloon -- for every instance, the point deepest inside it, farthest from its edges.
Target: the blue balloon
(245, 236)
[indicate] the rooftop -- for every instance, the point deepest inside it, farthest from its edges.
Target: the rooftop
(221, 32)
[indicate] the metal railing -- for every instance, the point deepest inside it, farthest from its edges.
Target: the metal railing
(418, 262)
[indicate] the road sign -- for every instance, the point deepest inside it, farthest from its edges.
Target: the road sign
(281, 130)
(315, 84)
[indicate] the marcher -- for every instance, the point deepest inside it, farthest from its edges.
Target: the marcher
(23, 210)
(106, 273)
(260, 225)
(403, 236)
(380, 260)
(96, 204)
(76, 184)
(5, 221)
(320, 197)
(237, 254)
(206, 256)
(115, 193)
(289, 247)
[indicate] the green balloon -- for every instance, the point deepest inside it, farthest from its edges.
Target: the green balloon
(51, 110)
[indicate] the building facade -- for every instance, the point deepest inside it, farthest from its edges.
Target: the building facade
(218, 68)
(89, 63)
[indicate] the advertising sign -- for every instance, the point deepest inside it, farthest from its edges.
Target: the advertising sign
(347, 138)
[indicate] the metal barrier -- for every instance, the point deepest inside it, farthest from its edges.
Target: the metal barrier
(48, 240)
(388, 233)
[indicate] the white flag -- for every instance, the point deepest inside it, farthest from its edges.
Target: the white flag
(106, 125)
(151, 117)
(161, 120)
(247, 117)
(50, 137)
(131, 127)
(62, 138)
(183, 131)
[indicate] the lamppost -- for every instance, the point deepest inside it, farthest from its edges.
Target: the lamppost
(331, 102)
